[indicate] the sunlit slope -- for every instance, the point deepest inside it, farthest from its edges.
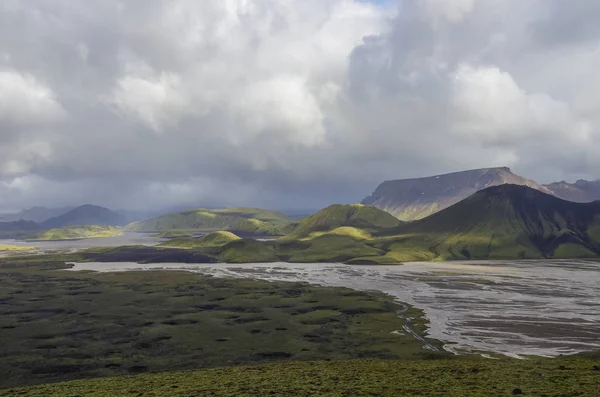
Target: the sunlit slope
(506, 221)
(237, 220)
(354, 216)
(214, 239)
(477, 377)
(77, 232)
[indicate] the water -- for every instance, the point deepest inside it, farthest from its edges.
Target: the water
(515, 308)
(127, 238)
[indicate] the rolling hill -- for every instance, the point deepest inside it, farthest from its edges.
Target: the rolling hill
(412, 199)
(506, 221)
(243, 221)
(214, 239)
(356, 216)
(85, 215)
(581, 191)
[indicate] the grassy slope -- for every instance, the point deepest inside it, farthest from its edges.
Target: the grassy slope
(241, 220)
(78, 232)
(335, 216)
(477, 377)
(214, 239)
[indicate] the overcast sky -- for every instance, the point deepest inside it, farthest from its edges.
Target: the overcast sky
(288, 103)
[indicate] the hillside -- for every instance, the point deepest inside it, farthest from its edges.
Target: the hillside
(412, 199)
(507, 221)
(581, 191)
(337, 216)
(242, 221)
(214, 239)
(85, 215)
(76, 233)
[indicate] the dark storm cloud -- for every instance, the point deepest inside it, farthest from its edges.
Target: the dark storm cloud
(288, 104)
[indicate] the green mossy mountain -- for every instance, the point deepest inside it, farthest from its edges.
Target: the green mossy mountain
(250, 221)
(350, 215)
(500, 222)
(506, 221)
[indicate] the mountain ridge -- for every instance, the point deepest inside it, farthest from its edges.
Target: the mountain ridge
(87, 214)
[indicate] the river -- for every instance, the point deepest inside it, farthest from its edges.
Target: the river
(515, 308)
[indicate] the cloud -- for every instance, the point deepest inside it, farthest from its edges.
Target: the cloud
(288, 103)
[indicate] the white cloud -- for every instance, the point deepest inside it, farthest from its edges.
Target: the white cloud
(290, 101)
(26, 102)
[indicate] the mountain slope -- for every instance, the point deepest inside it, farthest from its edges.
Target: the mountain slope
(507, 221)
(581, 191)
(412, 199)
(18, 229)
(85, 215)
(237, 220)
(350, 215)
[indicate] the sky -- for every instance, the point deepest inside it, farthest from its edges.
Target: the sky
(288, 103)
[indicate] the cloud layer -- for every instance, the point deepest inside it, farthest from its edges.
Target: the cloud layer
(287, 104)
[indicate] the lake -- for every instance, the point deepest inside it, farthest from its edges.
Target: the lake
(515, 308)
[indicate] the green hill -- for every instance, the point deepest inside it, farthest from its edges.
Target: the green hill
(77, 232)
(506, 221)
(249, 221)
(214, 239)
(336, 216)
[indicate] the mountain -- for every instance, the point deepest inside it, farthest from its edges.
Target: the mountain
(506, 221)
(412, 199)
(337, 216)
(18, 229)
(581, 191)
(36, 214)
(238, 220)
(85, 215)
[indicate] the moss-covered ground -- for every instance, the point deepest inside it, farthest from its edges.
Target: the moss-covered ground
(57, 325)
(366, 377)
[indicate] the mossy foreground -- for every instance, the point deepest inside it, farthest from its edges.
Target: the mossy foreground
(57, 325)
(474, 377)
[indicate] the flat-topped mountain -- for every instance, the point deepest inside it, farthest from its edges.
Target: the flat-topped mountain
(507, 221)
(85, 215)
(417, 198)
(581, 191)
